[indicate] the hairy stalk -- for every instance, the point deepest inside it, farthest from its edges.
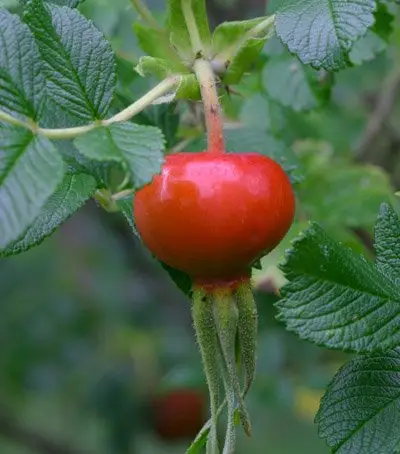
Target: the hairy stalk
(206, 333)
(230, 435)
(70, 133)
(226, 320)
(212, 108)
(247, 331)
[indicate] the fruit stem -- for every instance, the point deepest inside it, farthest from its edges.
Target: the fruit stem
(212, 108)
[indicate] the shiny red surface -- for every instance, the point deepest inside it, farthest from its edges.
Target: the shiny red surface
(211, 215)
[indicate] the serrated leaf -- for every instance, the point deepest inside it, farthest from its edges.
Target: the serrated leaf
(376, 39)
(30, 172)
(387, 242)
(69, 3)
(235, 50)
(288, 82)
(78, 164)
(360, 411)
(79, 61)
(137, 148)
(182, 280)
(73, 192)
(321, 32)
(126, 207)
(336, 298)
(22, 84)
(163, 116)
(179, 34)
(244, 140)
(188, 87)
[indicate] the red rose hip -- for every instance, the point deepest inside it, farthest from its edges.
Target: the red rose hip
(212, 214)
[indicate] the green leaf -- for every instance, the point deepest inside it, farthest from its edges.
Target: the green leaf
(259, 112)
(336, 298)
(197, 446)
(73, 192)
(321, 32)
(79, 62)
(244, 140)
(22, 84)
(179, 34)
(137, 148)
(182, 280)
(126, 207)
(387, 242)
(69, 3)
(384, 19)
(288, 82)
(30, 171)
(188, 88)
(360, 412)
(163, 116)
(376, 39)
(351, 193)
(235, 49)
(367, 48)
(156, 44)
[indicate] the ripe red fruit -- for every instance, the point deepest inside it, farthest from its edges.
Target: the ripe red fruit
(212, 214)
(179, 414)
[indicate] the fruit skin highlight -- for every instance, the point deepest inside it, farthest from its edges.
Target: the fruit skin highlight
(212, 215)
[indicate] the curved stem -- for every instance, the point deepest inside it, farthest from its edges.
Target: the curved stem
(212, 108)
(70, 133)
(157, 92)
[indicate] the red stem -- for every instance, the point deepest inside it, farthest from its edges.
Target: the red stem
(212, 108)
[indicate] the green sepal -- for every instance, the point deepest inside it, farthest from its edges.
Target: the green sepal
(161, 68)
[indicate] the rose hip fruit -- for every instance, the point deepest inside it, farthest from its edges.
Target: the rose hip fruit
(212, 215)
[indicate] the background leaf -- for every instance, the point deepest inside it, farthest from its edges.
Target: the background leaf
(80, 66)
(22, 85)
(336, 298)
(31, 169)
(387, 242)
(360, 412)
(73, 192)
(288, 82)
(321, 32)
(137, 148)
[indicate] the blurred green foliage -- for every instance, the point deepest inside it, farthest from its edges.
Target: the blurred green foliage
(92, 328)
